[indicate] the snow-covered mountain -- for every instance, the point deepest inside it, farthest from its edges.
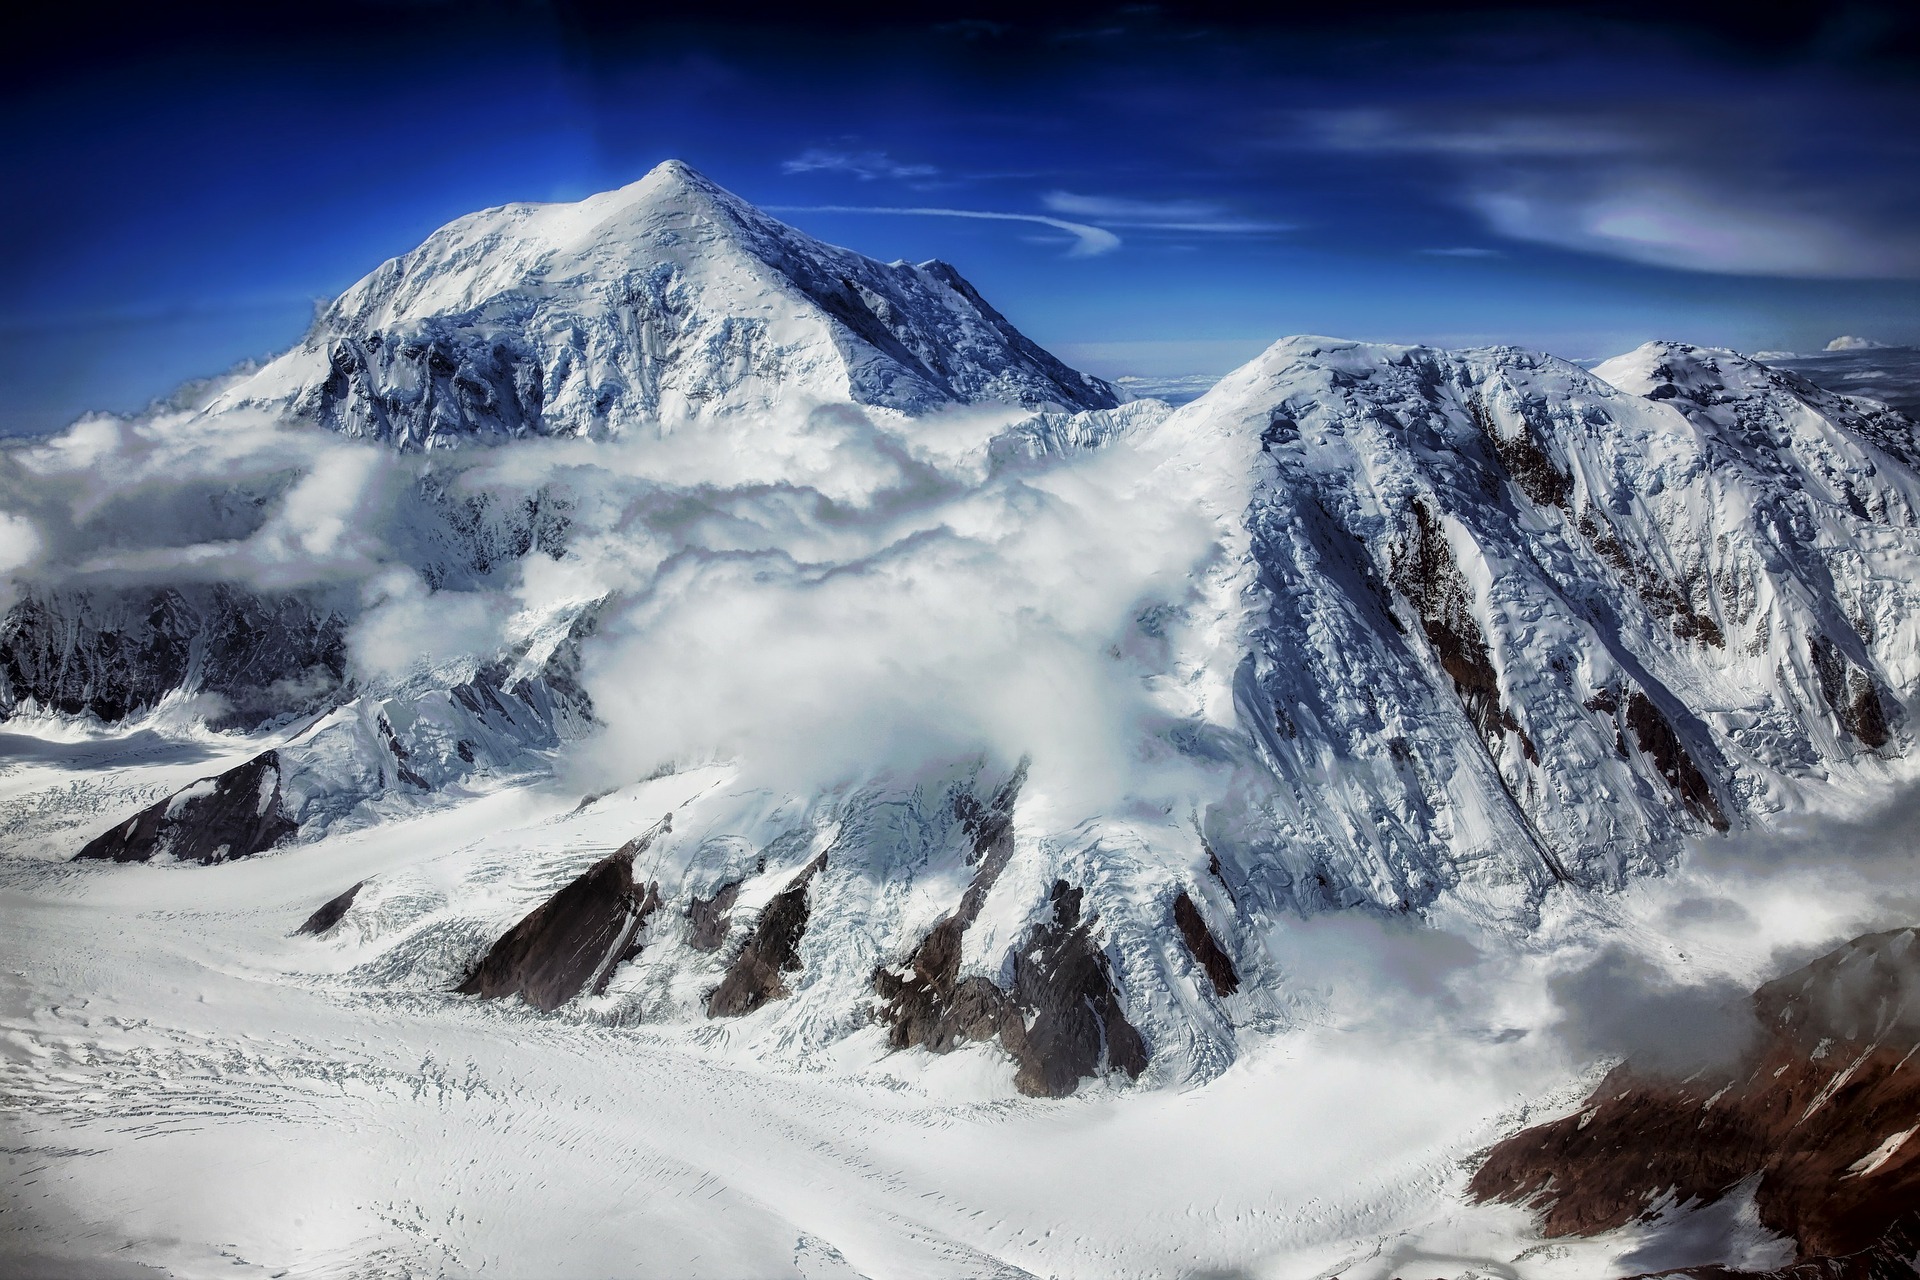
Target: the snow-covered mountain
(665, 302)
(821, 677)
(1545, 620)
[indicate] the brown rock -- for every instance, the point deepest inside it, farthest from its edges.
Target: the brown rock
(1200, 942)
(1821, 1110)
(754, 976)
(575, 939)
(230, 815)
(1062, 1020)
(331, 911)
(708, 918)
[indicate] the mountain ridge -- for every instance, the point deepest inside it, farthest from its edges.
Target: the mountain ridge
(662, 303)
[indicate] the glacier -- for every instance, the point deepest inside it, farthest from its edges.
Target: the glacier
(924, 727)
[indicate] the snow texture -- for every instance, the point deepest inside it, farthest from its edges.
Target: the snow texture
(821, 558)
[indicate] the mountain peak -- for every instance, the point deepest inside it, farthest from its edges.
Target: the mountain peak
(665, 301)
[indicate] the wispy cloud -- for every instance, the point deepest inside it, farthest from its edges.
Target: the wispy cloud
(1088, 242)
(1473, 131)
(864, 165)
(1157, 215)
(1692, 190)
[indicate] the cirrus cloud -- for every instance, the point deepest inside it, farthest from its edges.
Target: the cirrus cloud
(1681, 187)
(1088, 241)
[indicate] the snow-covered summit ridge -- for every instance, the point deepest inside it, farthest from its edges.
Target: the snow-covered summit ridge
(1501, 621)
(667, 301)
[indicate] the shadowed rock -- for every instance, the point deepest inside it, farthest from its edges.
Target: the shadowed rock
(113, 652)
(1851, 693)
(1823, 1110)
(754, 976)
(331, 912)
(708, 918)
(1078, 1025)
(1061, 1021)
(1658, 740)
(1427, 575)
(574, 940)
(1200, 941)
(230, 815)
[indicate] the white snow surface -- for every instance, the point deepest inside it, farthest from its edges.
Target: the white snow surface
(667, 302)
(191, 1091)
(1417, 671)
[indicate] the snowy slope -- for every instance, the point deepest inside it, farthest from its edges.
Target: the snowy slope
(665, 302)
(1545, 621)
(954, 736)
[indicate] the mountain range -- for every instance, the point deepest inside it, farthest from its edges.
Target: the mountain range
(914, 697)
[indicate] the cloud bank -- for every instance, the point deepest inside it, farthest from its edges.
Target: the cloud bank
(1688, 187)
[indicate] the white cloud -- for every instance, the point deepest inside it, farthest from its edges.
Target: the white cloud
(1088, 241)
(1672, 219)
(1471, 132)
(1157, 215)
(864, 165)
(1685, 189)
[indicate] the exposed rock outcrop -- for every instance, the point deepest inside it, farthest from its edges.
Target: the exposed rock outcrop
(332, 911)
(754, 977)
(114, 652)
(1823, 1110)
(573, 941)
(1202, 945)
(1078, 1026)
(230, 815)
(1061, 1020)
(709, 918)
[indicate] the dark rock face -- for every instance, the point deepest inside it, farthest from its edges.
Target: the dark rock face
(231, 815)
(1665, 600)
(1200, 942)
(931, 1005)
(1426, 574)
(1531, 467)
(754, 976)
(1062, 1019)
(435, 381)
(1823, 1110)
(1851, 693)
(574, 940)
(1078, 1025)
(113, 653)
(1658, 740)
(331, 912)
(709, 918)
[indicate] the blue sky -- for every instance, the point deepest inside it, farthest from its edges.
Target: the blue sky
(1189, 186)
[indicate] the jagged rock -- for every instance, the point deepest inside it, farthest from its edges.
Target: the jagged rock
(1078, 1026)
(1201, 944)
(332, 911)
(708, 918)
(114, 652)
(1657, 738)
(1822, 1110)
(754, 977)
(231, 815)
(1061, 1020)
(574, 940)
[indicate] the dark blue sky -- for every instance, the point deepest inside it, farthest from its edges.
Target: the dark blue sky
(181, 186)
